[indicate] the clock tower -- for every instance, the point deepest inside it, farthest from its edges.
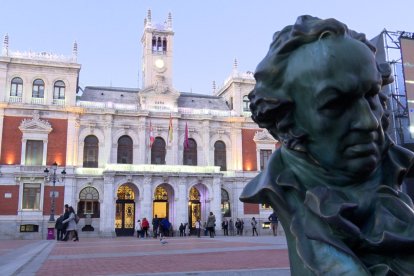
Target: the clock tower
(157, 45)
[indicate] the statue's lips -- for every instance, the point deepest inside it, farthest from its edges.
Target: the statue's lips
(362, 150)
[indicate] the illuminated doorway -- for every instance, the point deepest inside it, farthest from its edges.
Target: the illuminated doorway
(160, 203)
(194, 207)
(125, 211)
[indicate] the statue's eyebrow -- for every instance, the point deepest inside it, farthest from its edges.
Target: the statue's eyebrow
(327, 94)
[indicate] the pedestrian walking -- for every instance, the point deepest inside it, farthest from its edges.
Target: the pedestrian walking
(155, 226)
(225, 226)
(238, 226)
(71, 231)
(274, 222)
(231, 227)
(198, 227)
(182, 229)
(253, 222)
(65, 225)
(211, 224)
(145, 227)
(59, 228)
(138, 228)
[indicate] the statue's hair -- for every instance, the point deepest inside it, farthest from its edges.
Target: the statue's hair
(270, 102)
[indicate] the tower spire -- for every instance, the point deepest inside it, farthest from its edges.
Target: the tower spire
(5, 50)
(214, 87)
(169, 21)
(75, 51)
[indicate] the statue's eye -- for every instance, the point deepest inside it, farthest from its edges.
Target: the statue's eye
(335, 106)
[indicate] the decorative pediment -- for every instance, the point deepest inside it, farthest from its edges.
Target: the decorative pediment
(264, 137)
(35, 125)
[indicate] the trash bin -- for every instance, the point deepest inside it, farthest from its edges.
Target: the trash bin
(50, 233)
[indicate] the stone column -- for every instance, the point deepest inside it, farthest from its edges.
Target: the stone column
(72, 139)
(182, 201)
(107, 220)
(205, 146)
(1, 126)
(108, 142)
(23, 155)
(143, 140)
(236, 141)
(146, 203)
(215, 203)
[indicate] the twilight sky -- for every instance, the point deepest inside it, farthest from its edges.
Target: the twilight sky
(209, 35)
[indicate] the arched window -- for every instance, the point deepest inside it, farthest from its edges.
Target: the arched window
(158, 151)
(124, 150)
(246, 103)
(90, 152)
(38, 89)
(89, 202)
(159, 45)
(190, 154)
(59, 90)
(225, 203)
(154, 44)
(220, 155)
(164, 45)
(16, 88)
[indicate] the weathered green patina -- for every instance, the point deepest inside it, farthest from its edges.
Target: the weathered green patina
(335, 182)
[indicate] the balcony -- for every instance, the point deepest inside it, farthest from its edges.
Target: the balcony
(60, 102)
(15, 99)
(37, 101)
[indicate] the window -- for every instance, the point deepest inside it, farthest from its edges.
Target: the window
(124, 150)
(190, 154)
(158, 151)
(89, 202)
(34, 153)
(264, 158)
(220, 155)
(38, 89)
(59, 90)
(246, 103)
(16, 88)
(31, 196)
(90, 152)
(266, 206)
(225, 204)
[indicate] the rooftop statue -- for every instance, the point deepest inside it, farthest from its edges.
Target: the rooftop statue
(335, 181)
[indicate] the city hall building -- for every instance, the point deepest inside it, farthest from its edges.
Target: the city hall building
(128, 153)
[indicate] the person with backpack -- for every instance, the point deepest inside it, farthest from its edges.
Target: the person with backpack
(71, 229)
(145, 227)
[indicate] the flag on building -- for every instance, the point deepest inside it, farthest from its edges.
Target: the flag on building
(170, 131)
(186, 137)
(151, 136)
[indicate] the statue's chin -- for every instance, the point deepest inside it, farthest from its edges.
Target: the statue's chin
(362, 167)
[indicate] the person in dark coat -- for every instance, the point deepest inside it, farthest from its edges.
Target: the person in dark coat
(65, 225)
(59, 228)
(155, 225)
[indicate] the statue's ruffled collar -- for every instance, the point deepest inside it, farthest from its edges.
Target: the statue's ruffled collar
(371, 227)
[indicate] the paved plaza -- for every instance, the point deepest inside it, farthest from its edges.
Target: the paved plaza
(264, 255)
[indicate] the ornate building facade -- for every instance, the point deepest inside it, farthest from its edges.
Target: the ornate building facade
(128, 153)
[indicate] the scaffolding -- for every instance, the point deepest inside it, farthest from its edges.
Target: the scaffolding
(399, 121)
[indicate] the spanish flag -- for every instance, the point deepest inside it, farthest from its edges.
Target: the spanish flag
(170, 131)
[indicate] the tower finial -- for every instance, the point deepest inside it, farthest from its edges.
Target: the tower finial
(214, 87)
(149, 16)
(5, 50)
(75, 51)
(169, 21)
(235, 64)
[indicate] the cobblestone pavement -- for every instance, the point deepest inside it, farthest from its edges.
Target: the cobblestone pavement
(264, 255)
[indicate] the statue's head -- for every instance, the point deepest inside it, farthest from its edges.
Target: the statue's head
(318, 91)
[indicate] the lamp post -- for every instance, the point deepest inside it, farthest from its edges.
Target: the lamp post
(51, 176)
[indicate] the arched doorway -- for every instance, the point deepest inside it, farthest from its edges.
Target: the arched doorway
(162, 201)
(197, 204)
(125, 211)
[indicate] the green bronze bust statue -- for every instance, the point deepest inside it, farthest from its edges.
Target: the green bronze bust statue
(335, 181)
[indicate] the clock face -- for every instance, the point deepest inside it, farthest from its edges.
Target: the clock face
(159, 63)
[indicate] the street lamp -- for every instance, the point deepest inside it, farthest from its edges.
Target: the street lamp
(53, 177)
